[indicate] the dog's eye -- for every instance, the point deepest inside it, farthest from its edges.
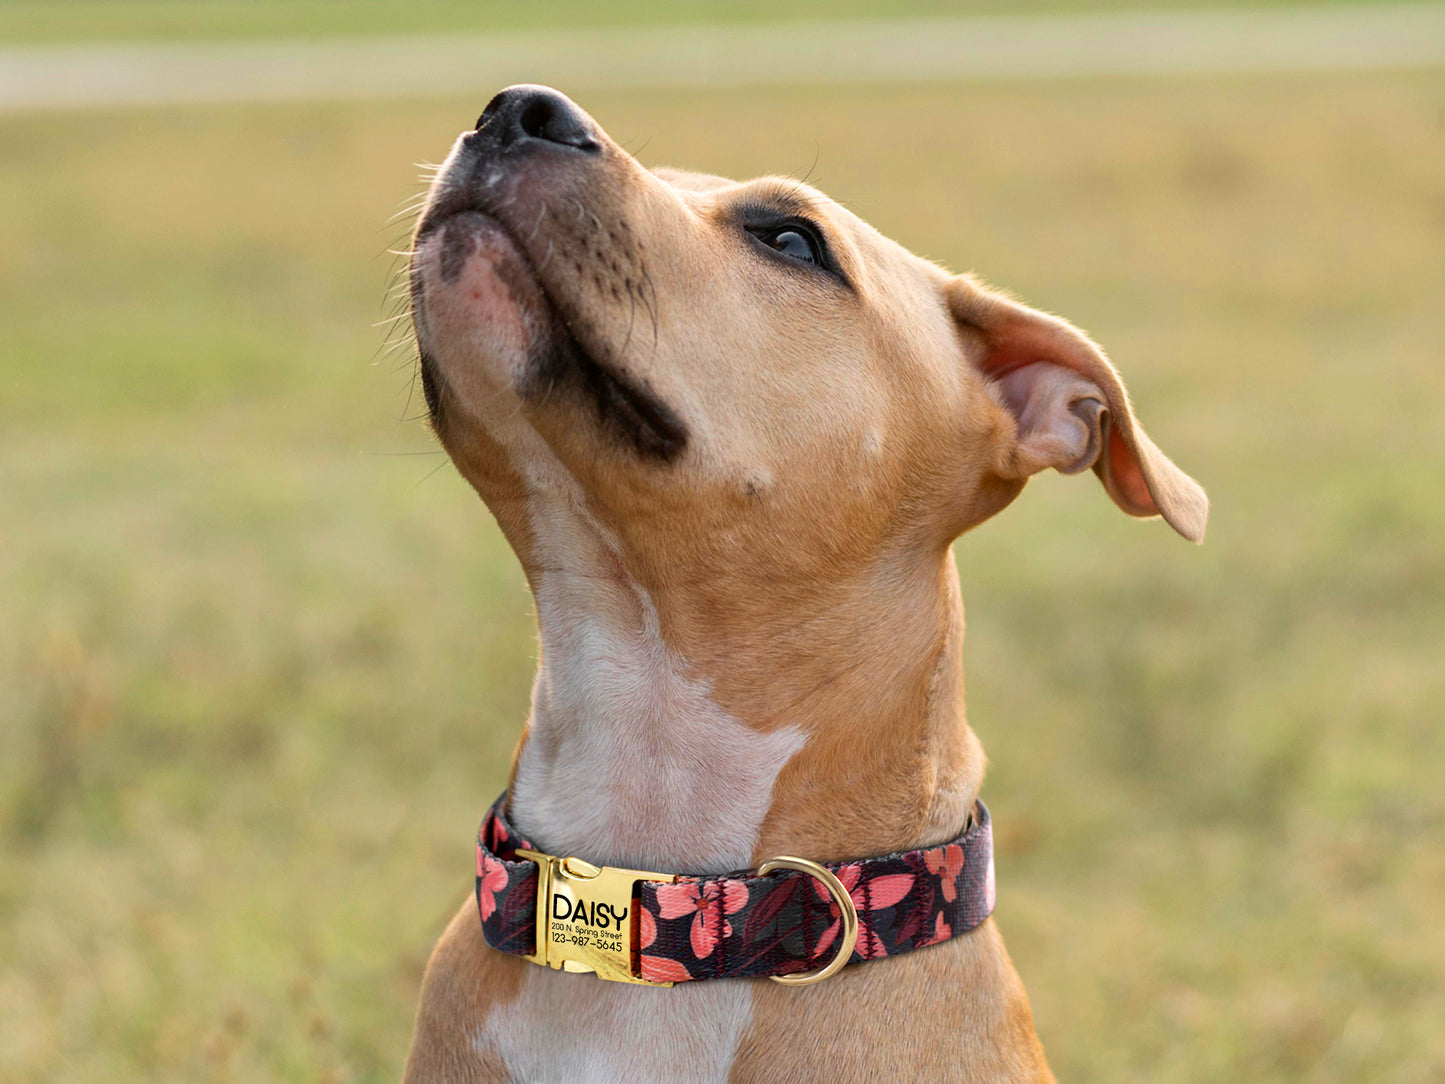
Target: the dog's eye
(794, 243)
(793, 240)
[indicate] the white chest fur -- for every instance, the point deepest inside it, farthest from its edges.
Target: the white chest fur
(577, 1029)
(628, 759)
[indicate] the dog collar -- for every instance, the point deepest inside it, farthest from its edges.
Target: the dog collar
(791, 919)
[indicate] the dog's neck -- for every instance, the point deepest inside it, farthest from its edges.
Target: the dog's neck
(697, 729)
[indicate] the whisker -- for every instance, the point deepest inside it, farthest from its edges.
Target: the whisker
(540, 215)
(438, 467)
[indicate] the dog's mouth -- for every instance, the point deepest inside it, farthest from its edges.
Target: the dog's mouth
(652, 427)
(558, 360)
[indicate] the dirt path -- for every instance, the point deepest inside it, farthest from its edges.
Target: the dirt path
(883, 51)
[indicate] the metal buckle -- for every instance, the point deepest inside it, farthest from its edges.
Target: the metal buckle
(847, 935)
(585, 916)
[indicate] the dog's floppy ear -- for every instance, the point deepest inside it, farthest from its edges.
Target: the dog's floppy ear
(1070, 407)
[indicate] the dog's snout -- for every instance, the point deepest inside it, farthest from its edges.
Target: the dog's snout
(532, 113)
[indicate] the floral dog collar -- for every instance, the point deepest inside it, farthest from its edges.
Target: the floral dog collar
(791, 919)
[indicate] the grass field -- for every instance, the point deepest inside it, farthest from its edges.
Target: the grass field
(262, 662)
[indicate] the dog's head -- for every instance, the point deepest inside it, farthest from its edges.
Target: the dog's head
(740, 373)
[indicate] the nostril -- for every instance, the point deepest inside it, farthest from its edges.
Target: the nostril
(556, 120)
(535, 118)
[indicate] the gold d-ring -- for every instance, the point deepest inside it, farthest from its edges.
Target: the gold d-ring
(847, 937)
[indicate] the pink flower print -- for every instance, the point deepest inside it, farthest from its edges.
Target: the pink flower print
(492, 877)
(946, 863)
(942, 931)
(656, 968)
(878, 893)
(664, 969)
(707, 902)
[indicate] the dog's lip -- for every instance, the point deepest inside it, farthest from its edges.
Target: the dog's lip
(653, 427)
(448, 206)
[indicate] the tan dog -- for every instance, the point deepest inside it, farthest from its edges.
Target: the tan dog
(731, 432)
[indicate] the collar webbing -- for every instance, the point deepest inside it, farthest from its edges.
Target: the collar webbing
(660, 928)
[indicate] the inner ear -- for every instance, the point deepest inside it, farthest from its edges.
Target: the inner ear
(1060, 418)
(1070, 407)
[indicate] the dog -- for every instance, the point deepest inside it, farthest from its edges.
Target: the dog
(731, 432)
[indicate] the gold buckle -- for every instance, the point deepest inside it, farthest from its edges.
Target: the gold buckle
(585, 916)
(847, 935)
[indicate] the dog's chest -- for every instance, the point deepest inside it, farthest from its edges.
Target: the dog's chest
(575, 1029)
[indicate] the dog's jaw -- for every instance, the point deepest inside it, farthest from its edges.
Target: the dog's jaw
(504, 307)
(482, 320)
(488, 329)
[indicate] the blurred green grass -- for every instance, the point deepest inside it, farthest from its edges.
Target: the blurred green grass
(262, 663)
(101, 20)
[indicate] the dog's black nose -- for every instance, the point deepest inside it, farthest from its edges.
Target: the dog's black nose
(527, 112)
